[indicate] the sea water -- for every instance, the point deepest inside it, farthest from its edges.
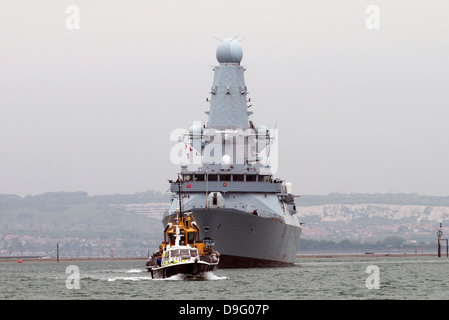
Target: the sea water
(362, 278)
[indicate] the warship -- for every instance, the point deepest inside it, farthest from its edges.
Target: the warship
(226, 177)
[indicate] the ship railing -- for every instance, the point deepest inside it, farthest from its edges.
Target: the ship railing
(260, 213)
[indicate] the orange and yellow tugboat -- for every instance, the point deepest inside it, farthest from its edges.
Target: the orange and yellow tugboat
(182, 251)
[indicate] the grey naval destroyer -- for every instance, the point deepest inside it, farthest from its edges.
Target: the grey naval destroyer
(226, 179)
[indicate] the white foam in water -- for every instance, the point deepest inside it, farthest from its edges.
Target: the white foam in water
(176, 277)
(135, 271)
(129, 278)
(204, 276)
(208, 276)
(211, 276)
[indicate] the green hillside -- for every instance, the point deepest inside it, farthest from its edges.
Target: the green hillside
(76, 219)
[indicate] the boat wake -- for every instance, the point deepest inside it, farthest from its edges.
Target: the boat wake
(212, 276)
(206, 276)
(136, 270)
(129, 278)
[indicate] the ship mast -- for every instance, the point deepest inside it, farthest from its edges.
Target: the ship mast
(180, 214)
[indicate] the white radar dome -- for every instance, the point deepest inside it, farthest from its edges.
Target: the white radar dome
(229, 51)
(195, 129)
(225, 159)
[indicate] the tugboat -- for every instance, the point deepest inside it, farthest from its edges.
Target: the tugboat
(182, 251)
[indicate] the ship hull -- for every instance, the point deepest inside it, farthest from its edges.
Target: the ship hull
(248, 241)
(193, 268)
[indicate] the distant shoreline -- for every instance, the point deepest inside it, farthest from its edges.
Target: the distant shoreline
(366, 255)
(16, 259)
(65, 259)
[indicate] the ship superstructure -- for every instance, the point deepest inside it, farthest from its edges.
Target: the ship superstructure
(226, 177)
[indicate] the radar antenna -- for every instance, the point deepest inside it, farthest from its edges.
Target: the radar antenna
(269, 143)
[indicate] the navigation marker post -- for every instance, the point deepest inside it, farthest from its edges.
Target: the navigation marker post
(440, 234)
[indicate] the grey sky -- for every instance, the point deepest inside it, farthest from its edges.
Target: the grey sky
(92, 109)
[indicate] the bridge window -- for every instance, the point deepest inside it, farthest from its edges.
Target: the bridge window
(251, 177)
(238, 177)
(225, 177)
(198, 177)
(213, 177)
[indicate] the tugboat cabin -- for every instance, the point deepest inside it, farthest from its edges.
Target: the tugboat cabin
(188, 231)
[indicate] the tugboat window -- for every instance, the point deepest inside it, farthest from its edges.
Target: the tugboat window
(185, 254)
(172, 238)
(183, 237)
(213, 177)
(238, 177)
(191, 237)
(187, 177)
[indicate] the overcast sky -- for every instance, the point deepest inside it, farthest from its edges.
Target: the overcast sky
(358, 108)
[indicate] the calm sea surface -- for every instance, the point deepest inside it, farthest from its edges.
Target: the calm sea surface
(311, 278)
